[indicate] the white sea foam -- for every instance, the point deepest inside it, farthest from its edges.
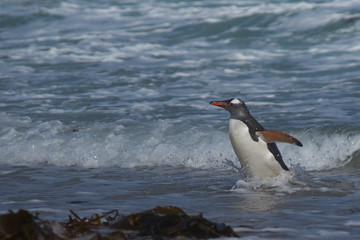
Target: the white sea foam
(162, 143)
(101, 43)
(99, 145)
(352, 223)
(297, 180)
(322, 149)
(279, 184)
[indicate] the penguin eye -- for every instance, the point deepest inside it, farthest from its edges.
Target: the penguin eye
(232, 105)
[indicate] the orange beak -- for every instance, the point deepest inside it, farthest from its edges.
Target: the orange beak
(219, 104)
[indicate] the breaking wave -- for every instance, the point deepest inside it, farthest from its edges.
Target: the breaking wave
(161, 143)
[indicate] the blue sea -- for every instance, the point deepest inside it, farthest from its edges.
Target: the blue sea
(105, 105)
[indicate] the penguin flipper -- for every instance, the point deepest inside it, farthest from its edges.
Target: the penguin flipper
(271, 136)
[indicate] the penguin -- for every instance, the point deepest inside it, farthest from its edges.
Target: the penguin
(253, 145)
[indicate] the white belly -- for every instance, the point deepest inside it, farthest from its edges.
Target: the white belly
(254, 156)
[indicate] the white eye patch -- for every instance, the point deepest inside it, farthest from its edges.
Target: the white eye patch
(235, 101)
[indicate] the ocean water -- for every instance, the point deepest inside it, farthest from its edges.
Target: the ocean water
(105, 105)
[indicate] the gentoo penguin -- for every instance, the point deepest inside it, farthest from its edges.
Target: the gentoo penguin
(253, 145)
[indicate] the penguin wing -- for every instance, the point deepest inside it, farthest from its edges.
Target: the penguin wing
(270, 136)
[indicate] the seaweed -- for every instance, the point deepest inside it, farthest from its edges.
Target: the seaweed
(169, 221)
(23, 225)
(161, 222)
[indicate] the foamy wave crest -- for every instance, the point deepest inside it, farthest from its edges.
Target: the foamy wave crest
(23, 142)
(161, 143)
(323, 148)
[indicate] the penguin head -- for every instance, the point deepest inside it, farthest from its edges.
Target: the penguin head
(235, 106)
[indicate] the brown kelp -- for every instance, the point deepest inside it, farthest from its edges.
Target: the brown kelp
(161, 222)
